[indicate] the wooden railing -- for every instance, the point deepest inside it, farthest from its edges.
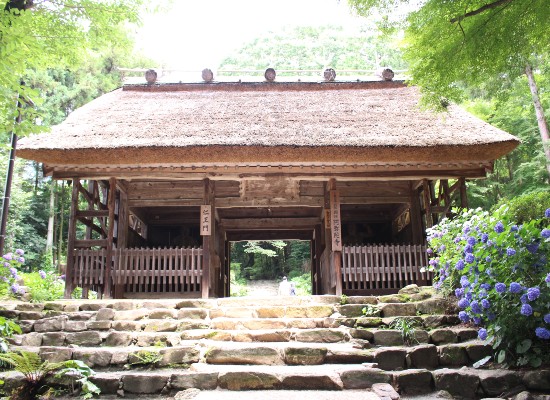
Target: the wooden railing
(383, 268)
(141, 270)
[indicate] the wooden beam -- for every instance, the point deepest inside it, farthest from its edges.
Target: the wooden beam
(111, 202)
(426, 190)
(91, 226)
(92, 213)
(416, 217)
(69, 272)
(207, 245)
(463, 194)
(269, 223)
(87, 243)
(237, 236)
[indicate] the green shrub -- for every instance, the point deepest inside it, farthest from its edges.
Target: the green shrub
(44, 286)
(500, 272)
(302, 284)
(526, 207)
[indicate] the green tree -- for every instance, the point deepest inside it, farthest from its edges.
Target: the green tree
(455, 45)
(35, 35)
(307, 48)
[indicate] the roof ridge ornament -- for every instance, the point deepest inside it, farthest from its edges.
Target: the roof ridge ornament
(270, 74)
(207, 75)
(151, 76)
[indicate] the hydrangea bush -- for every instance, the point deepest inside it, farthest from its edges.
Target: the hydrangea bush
(500, 273)
(9, 274)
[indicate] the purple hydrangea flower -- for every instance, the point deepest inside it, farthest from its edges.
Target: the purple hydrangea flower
(8, 256)
(547, 318)
(442, 248)
(463, 316)
(468, 248)
(15, 288)
(533, 247)
(542, 333)
(485, 286)
(488, 259)
(471, 240)
(482, 334)
(19, 252)
(7, 265)
(499, 227)
(485, 303)
(62, 277)
(429, 251)
(547, 279)
(524, 299)
(547, 213)
(463, 303)
(533, 293)
(433, 262)
(42, 274)
(515, 287)
(475, 307)
(13, 272)
(545, 233)
(464, 282)
(469, 296)
(484, 238)
(466, 229)
(476, 320)
(21, 260)
(469, 258)
(514, 228)
(510, 252)
(457, 239)
(459, 265)
(459, 292)
(526, 310)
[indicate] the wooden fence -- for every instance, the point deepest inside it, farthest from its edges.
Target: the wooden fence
(157, 270)
(383, 268)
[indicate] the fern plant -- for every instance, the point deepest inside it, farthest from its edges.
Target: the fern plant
(33, 369)
(407, 327)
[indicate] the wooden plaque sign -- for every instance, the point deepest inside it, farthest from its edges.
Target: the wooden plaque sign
(327, 219)
(335, 223)
(206, 220)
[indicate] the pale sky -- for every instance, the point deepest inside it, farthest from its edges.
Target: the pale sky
(198, 34)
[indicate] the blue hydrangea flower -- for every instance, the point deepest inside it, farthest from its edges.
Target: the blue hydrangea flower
(15, 288)
(545, 233)
(510, 252)
(533, 247)
(466, 229)
(484, 238)
(482, 334)
(515, 287)
(475, 307)
(19, 252)
(547, 213)
(514, 228)
(526, 309)
(489, 243)
(469, 258)
(488, 259)
(468, 249)
(442, 248)
(491, 316)
(469, 296)
(463, 316)
(463, 303)
(464, 282)
(485, 303)
(459, 292)
(459, 265)
(533, 293)
(524, 299)
(485, 286)
(42, 274)
(471, 240)
(542, 333)
(499, 227)
(476, 320)
(547, 318)
(547, 279)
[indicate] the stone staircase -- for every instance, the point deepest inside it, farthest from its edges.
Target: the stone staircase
(160, 347)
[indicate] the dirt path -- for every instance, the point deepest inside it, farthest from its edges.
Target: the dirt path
(262, 288)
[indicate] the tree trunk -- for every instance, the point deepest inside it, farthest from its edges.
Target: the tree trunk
(49, 237)
(541, 119)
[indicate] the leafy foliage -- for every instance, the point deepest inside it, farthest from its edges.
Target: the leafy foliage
(500, 272)
(407, 328)
(77, 373)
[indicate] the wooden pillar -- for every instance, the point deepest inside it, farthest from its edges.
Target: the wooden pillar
(416, 216)
(463, 194)
(111, 203)
(207, 231)
(325, 283)
(336, 235)
(427, 191)
(317, 247)
(227, 277)
(122, 235)
(69, 272)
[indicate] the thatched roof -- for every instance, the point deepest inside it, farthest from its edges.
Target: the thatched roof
(262, 122)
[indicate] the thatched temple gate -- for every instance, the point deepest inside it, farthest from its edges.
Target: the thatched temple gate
(165, 176)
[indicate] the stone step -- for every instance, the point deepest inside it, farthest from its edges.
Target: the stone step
(463, 383)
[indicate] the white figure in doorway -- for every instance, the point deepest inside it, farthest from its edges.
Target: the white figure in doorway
(292, 289)
(284, 287)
